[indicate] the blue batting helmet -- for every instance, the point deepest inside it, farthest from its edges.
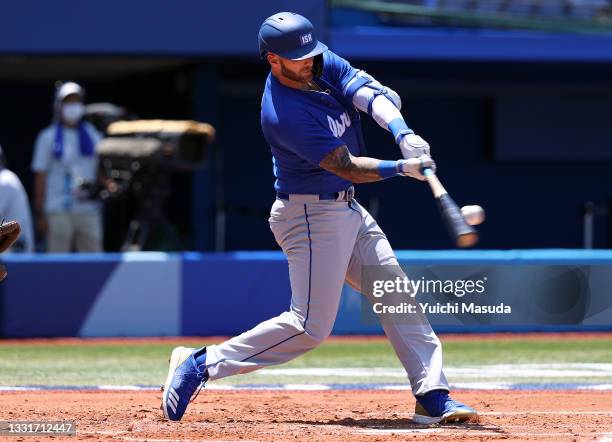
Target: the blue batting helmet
(289, 35)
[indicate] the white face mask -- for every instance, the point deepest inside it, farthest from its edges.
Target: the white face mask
(73, 112)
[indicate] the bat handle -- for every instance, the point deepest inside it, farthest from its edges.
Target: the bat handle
(436, 186)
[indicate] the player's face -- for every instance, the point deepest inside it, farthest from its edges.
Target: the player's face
(297, 70)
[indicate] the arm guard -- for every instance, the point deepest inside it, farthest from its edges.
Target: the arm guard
(363, 89)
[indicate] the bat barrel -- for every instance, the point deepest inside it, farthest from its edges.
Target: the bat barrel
(466, 240)
(463, 234)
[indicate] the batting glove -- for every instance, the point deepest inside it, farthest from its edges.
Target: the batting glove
(413, 146)
(413, 167)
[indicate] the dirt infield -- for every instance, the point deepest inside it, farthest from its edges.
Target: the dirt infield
(328, 415)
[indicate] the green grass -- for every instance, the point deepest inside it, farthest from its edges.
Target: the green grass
(502, 352)
(147, 364)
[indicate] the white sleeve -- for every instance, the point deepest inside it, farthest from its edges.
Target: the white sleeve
(384, 104)
(383, 110)
(42, 151)
(380, 102)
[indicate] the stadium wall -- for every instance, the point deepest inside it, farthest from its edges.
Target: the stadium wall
(196, 28)
(141, 27)
(157, 294)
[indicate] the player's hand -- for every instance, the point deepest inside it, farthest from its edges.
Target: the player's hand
(413, 146)
(413, 167)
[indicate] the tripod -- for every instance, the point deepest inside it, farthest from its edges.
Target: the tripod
(152, 191)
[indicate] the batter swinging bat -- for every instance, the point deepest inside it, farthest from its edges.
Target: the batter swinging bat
(463, 234)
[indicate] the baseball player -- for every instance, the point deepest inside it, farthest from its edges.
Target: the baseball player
(310, 118)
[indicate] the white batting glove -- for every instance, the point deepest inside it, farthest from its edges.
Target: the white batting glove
(413, 167)
(413, 146)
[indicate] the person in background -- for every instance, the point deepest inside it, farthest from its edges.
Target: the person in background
(64, 161)
(14, 205)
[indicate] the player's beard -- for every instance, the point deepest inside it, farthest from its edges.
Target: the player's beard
(299, 77)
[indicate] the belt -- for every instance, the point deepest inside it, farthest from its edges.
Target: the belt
(344, 195)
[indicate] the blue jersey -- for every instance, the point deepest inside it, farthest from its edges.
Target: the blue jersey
(303, 126)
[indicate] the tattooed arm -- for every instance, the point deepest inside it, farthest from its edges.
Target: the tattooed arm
(354, 169)
(368, 170)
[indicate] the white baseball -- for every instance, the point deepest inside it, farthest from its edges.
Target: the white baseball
(473, 215)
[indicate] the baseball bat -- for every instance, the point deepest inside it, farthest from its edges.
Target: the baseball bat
(462, 233)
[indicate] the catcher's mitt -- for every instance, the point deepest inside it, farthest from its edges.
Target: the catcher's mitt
(9, 232)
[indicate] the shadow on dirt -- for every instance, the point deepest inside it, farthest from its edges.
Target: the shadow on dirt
(399, 424)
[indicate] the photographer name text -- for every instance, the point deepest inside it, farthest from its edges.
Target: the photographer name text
(441, 308)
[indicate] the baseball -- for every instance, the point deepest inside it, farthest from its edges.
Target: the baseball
(474, 215)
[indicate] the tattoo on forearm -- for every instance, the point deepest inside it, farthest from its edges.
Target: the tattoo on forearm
(355, 169)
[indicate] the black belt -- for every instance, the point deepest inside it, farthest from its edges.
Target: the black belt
(345, 195)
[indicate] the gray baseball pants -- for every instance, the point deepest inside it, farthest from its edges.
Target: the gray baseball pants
(326, 243)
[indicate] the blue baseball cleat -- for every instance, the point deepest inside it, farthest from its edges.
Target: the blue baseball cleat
(437, 407)
(183, 380)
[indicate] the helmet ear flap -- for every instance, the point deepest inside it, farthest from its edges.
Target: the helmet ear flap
(317, 65)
